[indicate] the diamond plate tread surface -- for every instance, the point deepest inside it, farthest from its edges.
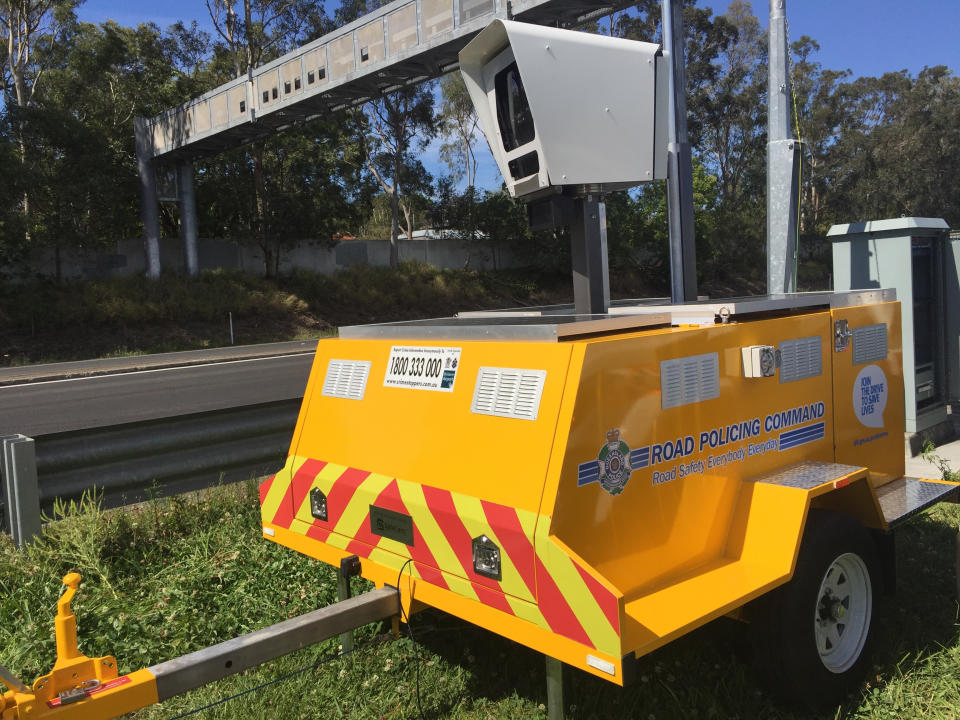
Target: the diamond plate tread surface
(904, 498)
(807, 474)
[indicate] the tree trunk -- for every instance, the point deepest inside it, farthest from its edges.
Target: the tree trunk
(394, 227)
(260, 195)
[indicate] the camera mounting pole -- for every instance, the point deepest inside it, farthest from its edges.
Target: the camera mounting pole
(683, 246)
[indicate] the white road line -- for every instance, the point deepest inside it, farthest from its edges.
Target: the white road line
(156, 370)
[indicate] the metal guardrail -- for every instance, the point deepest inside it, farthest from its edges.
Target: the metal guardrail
(132, 462)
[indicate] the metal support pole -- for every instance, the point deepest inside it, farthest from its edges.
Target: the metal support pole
(149, 205)
(554, 689)
(343, 593)
(588, 250)
(18, 463)
(783, 163)
(683, 244)
(188, 217)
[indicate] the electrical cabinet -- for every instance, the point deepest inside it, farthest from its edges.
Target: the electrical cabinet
(915, 256)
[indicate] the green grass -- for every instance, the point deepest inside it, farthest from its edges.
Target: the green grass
(172, 576)
(45, 321)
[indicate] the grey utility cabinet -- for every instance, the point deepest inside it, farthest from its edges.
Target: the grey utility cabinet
(917, 257)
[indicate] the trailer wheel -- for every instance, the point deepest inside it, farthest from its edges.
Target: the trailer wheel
(813, 633)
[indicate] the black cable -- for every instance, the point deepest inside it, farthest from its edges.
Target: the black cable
(416, 648)
(289, 675)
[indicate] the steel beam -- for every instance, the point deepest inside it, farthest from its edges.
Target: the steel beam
(588, 250)
(18, 463)
(188, 672)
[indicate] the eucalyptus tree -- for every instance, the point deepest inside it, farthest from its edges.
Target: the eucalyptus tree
(392, 129)
(28, 27)
(458, 127)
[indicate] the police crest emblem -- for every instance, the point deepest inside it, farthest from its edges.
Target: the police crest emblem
(614, 463)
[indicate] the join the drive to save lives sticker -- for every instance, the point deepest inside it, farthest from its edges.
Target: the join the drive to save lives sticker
(422, 368)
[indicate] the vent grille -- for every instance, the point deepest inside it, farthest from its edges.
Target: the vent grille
(801, 358)
(508, 392)
(869, 344)
(688, 380)
(346, 379)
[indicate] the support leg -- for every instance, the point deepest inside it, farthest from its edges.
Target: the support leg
(554, 689)
(343, 593)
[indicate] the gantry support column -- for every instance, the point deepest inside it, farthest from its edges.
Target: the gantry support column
(188, 217)
(149, 205)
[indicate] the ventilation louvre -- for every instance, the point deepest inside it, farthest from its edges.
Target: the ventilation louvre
(801, 358)
(688, 380)
(346, 379)
(869, 344)
(508, 392)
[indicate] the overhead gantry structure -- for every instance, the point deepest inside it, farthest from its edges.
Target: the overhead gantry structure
(402, 43)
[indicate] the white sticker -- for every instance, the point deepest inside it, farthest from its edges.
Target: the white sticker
(422, 368)
(870, 396)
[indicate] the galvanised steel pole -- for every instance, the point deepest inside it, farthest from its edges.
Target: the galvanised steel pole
(683, 245)
(783, 162)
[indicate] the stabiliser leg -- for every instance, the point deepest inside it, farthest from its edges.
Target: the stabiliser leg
(554, 689)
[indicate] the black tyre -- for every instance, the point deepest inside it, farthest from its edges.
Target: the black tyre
(812, 634)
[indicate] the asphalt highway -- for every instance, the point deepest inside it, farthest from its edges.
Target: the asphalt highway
(44, 407)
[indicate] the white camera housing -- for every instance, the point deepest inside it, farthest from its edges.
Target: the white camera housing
(574, 109)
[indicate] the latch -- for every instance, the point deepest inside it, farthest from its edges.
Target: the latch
(841, 335)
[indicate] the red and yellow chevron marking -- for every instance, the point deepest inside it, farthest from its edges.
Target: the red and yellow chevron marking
(541, 583)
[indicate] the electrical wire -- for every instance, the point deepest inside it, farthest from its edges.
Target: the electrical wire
(406, 619)
(796, 124)
(287, 676)
(323, 661)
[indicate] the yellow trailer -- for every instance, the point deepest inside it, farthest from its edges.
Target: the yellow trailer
(594, 487)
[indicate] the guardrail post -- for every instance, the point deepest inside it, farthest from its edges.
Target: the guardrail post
(18, 464)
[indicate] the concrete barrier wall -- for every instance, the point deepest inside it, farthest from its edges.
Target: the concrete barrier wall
(127, 257)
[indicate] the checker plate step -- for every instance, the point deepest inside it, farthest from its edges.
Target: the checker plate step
(808, 474)
(905, 497)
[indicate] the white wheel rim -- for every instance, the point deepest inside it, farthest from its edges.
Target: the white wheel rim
(841, 619)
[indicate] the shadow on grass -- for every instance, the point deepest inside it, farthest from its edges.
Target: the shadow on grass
(710, 673)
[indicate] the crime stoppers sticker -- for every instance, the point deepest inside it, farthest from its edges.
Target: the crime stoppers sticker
(422, 368)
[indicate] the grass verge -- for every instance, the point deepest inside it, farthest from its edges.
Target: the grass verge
(172, 576)
(45, 321)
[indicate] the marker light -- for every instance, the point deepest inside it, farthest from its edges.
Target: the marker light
(486, 557)
(318, 504)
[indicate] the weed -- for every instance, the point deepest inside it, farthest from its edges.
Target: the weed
(171, 576)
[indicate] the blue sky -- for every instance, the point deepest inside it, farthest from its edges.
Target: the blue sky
(869, 37)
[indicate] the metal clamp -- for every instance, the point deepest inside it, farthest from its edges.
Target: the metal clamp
(841, 335)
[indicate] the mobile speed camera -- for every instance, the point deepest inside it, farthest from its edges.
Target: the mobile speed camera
(562, 108)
